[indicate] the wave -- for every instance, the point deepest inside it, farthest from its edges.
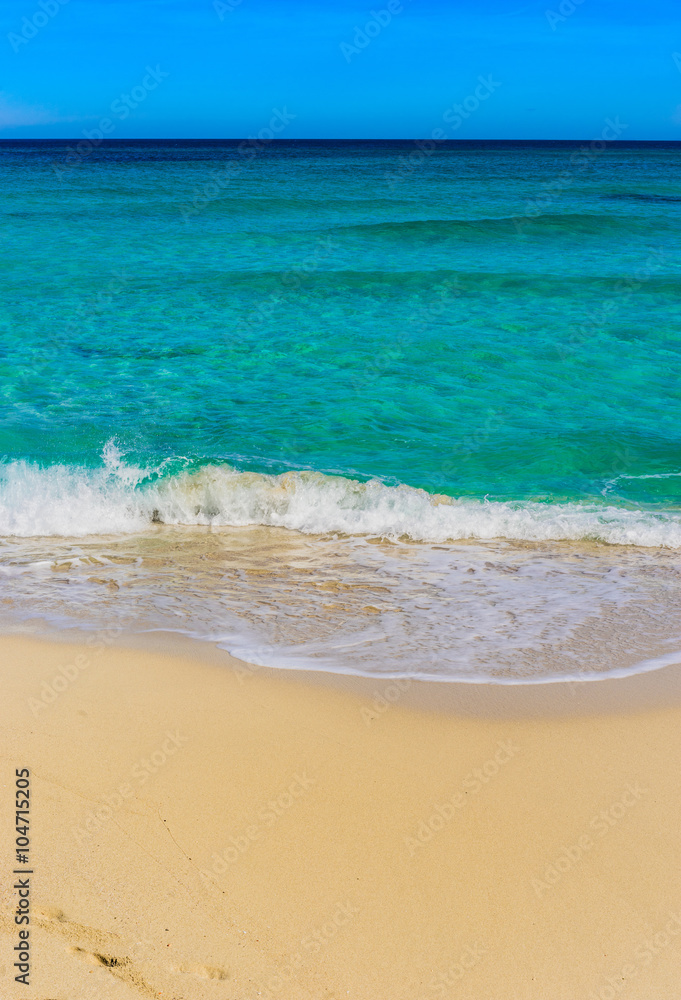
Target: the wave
(548, 223)
(637, 196)
(224, 203)
(117, 498)
(438, 280)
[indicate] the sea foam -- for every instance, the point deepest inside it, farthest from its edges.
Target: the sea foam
(120, 498)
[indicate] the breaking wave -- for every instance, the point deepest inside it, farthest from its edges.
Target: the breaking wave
(119, 498)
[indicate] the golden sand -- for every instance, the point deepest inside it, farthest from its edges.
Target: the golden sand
(206, 830)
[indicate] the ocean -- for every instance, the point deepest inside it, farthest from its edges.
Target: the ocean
(368, 407)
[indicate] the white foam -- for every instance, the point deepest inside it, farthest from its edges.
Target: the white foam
(488, 610)
(118, 499)
(268, 656)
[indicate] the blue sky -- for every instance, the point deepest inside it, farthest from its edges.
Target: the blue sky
(553, 69)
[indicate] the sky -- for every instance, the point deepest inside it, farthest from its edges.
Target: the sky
(474, 69)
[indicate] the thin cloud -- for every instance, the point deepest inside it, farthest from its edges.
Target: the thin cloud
(14, 114)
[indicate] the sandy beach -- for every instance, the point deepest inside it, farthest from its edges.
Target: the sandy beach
(200, 828)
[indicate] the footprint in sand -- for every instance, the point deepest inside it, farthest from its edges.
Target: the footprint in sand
(203, 971)
(94, 947)
(94, 958)
(119, 966)
(49, 913)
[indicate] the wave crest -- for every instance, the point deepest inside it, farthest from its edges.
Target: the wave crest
(117, 498)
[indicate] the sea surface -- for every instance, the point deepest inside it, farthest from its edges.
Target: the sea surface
(361, 407)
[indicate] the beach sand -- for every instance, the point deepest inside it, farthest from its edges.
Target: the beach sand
(201, 829)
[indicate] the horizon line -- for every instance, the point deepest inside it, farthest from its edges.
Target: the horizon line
(291, 141)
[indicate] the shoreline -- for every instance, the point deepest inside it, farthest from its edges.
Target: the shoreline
(201, 833)
(494, 611)
(584, 693)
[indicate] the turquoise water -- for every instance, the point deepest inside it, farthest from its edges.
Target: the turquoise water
(317, 318)
(496, 327)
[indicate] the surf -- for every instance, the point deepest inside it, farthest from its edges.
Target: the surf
(120, 498)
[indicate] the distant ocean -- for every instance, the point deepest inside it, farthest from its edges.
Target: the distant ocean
(348, 405)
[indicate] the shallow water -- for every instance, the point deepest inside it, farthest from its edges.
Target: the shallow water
(499, 611)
